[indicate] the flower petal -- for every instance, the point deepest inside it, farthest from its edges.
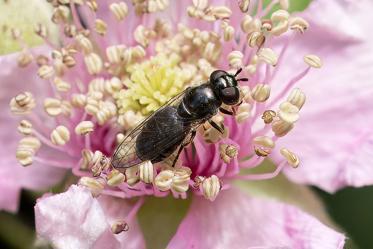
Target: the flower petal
(12, 81)
(333, 136)
(75, 219)
(235, 220)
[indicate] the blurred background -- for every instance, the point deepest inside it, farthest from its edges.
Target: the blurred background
(351, 208)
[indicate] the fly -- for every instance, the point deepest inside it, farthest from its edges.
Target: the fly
(174, 125)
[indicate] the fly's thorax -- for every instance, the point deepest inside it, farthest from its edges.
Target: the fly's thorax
(199, 103)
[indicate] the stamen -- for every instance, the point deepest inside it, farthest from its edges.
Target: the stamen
(95, 185)
(25, 127)
(146, 170)
(115, 178)
(211, 187)
(119, 226)
(268, 116)
(60, 135)
(313, 61)
(268, 56)
(291, 158)
(120, 10)
(22, 104)
(228, 152)
(84, 128)
(288, 112)
(261, 92)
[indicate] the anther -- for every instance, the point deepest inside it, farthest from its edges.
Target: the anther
(313, 61)
(211, 187)
(298, 24)
(291, 158)
(243, 112)
(268, 116)
(146, 170)
(25, 127)
(228, 152)
(46, 72)
(297, 98)
(100, 27)
(163, 180)
(281, 127)
(180, 180)
(93, 63)
(61, 85)
(84, 128)
(119, 226)
(288, 112)
(22, 104)
(244, 5)
(235, 59)
(115, 178)
(53, 106)
(120, 10)
(60, 135)
(268, 56)
(261, 92)
(132, 175)
(95, 185)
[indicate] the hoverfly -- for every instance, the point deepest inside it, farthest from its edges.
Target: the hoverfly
(174, 125)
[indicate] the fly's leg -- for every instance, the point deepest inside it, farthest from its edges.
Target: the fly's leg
(216, 126)
(226, 111)
(182, 146)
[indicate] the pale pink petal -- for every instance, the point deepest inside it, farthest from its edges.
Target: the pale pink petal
(334, 137)
(75, 219)
(234, 220)
(14, 80)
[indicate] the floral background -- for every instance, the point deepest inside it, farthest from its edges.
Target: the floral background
(346, 209)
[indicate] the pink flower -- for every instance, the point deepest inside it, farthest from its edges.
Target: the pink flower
(105, 81)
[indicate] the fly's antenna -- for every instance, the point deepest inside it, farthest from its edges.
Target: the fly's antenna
(238, 72)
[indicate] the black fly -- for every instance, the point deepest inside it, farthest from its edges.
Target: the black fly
(174, 125)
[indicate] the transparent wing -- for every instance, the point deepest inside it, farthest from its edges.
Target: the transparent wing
(125, 155)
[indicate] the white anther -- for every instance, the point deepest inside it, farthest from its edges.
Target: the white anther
(53, 106)
(291, 158)
(281, 128)
(92, 106)
(130, 119)
(96, 85)
(146, 170)
(211, 187)
(61, 85)
(264, 141)
(297, 98)
(288, 112)
(163, 180)
(298, 24)
(120, 10)
(244, 5)
(25, 127)
(94, 63)
(180, 180)
(313, 61)
(45, 72)
(249, 24)
(132, 175)
(26, 149)
(235, 59)
(119, 226)
(84, 128)
(221, 12)
(95, 185)
(243, 112)
(78, 100)
(22, 104)
(60, 14)
(115, 53)
(280, 16)
(113, 85)
(228, 33)
(228, 152)
(84, 43)
(24, 156)
(261, 92)
(92, 4)
(268, 56)
(60, 135)
(87, 156)
(115, 178)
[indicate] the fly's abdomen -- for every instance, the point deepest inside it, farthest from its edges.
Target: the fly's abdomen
(161, 135)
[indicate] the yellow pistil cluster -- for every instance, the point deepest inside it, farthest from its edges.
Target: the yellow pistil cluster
(151, 84)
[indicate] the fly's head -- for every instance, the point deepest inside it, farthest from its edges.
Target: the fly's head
(226, 87)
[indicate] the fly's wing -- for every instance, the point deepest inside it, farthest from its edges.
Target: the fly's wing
(125, 155)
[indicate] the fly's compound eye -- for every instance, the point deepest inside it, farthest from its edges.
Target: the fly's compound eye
(230, 95)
